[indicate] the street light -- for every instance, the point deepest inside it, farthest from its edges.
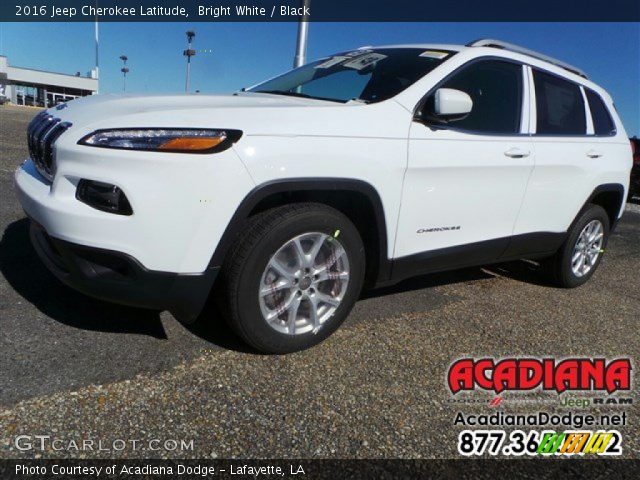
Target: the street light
(189, 52)
(124, 71)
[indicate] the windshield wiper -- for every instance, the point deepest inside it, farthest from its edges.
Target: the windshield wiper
(360, 100)
(289, 93)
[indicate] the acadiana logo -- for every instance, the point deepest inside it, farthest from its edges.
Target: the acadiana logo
(585, 374)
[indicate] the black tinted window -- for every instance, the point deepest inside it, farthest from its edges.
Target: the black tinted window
(559, 104)
(496, 90)
(602, 122)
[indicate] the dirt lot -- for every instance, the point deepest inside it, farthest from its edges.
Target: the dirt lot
(74, 367)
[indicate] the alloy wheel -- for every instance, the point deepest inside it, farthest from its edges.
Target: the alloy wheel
(588, 248)
(304, 283)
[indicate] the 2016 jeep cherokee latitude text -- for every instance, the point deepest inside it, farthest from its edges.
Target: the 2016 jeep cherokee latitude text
(360, 169)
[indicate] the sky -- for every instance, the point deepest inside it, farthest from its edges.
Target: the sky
(235, 55)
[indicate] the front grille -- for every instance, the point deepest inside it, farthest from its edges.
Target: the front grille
(42, 132)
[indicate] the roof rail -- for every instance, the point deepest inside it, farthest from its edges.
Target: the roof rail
(488, 42)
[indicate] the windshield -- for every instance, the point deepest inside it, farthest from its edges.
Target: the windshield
(368, 75)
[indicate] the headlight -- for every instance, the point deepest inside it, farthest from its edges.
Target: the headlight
(185, 140)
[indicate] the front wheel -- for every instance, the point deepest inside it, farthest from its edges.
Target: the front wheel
(579, 257)
(293, 277)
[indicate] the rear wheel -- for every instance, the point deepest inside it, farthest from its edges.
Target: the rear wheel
(580, 255)
(293, 277)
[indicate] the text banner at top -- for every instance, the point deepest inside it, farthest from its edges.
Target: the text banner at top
(320, 11)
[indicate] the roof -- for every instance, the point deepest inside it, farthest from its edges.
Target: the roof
(424, 46)
(492, 43)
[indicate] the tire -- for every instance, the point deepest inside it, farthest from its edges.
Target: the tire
(270, 239)
(561, 265)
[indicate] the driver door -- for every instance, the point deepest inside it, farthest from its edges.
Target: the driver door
(466, 179)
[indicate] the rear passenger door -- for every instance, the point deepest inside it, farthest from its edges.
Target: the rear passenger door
(569, 122)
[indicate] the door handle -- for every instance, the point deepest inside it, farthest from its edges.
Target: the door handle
(593, 154)
(516, 153)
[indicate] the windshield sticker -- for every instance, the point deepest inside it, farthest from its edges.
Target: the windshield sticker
(363, 61)
(358, 52)
(437, 54)
(331, 62)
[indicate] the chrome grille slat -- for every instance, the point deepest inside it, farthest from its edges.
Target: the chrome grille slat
(33, 126)
(35, 137)
(42, 133)
(52, 136)
(38, 134)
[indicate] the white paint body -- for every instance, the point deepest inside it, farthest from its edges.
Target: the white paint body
(183, 203)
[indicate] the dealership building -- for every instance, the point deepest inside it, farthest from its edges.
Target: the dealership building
(26, 86)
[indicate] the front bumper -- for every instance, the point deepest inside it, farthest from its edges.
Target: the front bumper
(181, 204)
(119, 278)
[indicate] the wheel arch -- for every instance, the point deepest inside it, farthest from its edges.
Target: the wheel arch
(609, 196)
(357, 199)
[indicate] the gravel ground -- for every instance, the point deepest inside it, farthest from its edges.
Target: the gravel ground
(75, 368)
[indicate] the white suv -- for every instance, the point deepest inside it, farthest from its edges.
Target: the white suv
(363, 168)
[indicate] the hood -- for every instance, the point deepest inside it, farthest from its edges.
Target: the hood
(252, 113)
(99, 108)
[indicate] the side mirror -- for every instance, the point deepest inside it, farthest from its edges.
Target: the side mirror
(443, 106)
(450, 104)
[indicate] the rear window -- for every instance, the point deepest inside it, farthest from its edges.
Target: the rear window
(602, 121)
(560, 106)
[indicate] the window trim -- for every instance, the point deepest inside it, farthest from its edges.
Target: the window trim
(525, 113)
(587, 113)
(533, 112)
(522, 91)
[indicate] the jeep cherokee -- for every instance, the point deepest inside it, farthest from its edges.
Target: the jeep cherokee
(360, 169)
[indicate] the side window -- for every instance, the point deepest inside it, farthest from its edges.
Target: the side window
(602, 121)
(559, 105)
(496, 90)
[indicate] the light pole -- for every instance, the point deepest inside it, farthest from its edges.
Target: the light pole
(97, 58)
(124, 71)
(189, 52)
(95, 30)
(300, 57)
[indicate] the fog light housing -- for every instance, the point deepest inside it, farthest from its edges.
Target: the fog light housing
(103, 196)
